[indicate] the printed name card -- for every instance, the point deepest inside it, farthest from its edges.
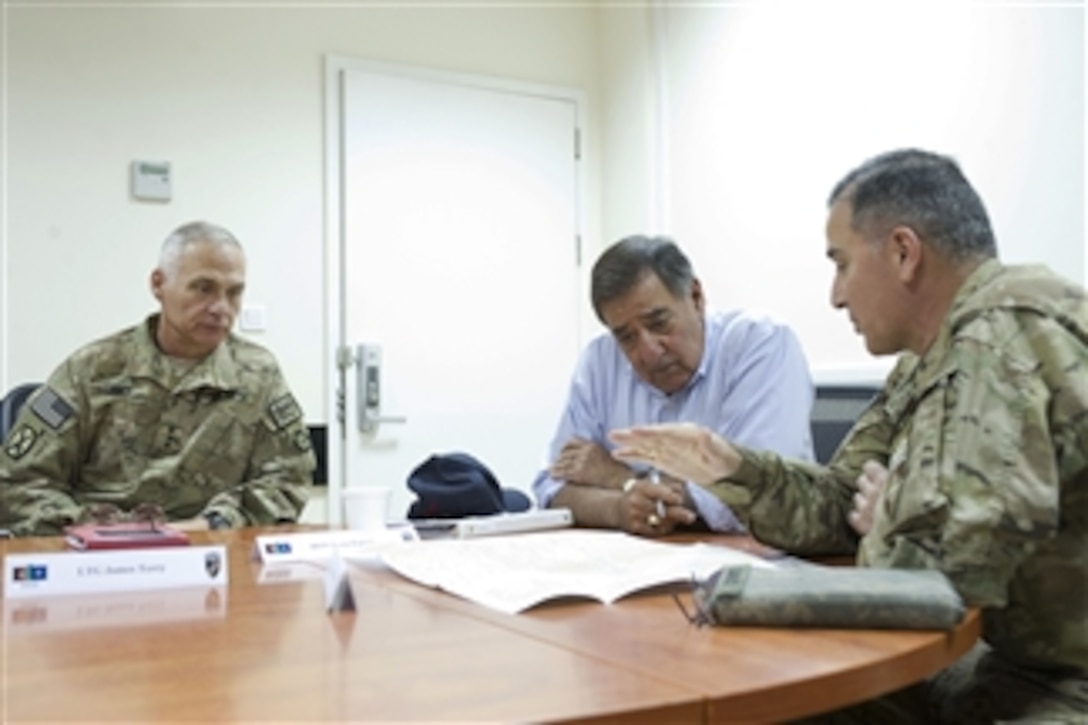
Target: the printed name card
(46, 574)
(320, 545)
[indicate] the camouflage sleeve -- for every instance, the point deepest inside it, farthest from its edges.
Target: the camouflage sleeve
(802, 507)
(40, 458)
(973, 485)
(794, 506)
(280, 469)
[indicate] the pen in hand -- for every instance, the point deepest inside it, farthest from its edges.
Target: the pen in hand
(655, 478)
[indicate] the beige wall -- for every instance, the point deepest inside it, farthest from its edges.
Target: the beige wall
(726, 125)
(629, 103)
(769, 104)
(723, 125)
(233, 99)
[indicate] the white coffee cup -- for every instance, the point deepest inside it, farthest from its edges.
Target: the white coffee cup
(365, 507)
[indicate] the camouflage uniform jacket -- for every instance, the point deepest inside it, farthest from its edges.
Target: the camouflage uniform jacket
(985, 438)
(119, 422)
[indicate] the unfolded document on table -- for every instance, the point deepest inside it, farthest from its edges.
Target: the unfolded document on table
(512, 574)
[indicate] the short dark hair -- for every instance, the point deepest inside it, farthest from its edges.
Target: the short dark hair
(627, 261)
(922, 190)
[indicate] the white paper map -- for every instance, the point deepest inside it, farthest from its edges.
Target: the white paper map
(514, 573)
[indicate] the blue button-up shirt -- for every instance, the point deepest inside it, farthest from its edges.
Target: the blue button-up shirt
(752, 386)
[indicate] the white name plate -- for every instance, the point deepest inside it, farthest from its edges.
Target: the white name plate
(115, 609)
(320, 545)
(87, 572)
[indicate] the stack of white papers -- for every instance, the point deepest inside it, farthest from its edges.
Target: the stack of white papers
(514, 573)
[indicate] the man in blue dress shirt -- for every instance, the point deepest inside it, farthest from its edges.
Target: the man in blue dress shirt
(666, 358)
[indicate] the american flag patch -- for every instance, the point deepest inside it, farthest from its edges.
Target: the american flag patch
(51, 408)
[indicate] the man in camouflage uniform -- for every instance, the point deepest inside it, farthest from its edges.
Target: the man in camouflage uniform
(176, 412)
(971, 461)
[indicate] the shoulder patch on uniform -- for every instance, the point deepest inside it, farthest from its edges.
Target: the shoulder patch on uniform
(21, 441)
(284, 411)
(51, 408)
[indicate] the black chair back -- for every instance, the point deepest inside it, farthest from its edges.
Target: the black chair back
(834, 412)
(319, 441)
(11, 404)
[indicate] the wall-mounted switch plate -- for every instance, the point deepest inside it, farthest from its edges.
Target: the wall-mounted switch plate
(252, 319)
(151, 180)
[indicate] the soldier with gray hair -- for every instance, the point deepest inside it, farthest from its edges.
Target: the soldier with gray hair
(176, 413)
(972, 460)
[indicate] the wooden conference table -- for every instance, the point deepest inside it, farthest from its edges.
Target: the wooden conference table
(265, 650)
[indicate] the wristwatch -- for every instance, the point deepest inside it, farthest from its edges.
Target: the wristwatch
(216, 521)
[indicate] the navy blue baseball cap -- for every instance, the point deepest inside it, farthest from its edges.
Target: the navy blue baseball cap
(455, 485)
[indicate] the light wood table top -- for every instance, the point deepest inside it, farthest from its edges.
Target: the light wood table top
(265, 651)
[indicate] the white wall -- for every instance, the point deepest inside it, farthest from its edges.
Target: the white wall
(629, 134)
(233, 98)
(765, 105)
(769, 104)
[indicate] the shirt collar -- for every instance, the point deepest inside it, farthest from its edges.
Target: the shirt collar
(979, 278)
(217, 370)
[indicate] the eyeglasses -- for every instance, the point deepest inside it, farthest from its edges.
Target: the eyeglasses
(107, 514)
(701, 617)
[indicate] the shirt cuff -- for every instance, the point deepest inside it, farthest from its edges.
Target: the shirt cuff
(545, 491)
(717, 515)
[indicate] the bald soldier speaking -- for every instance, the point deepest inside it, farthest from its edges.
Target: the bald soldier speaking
(176, 413)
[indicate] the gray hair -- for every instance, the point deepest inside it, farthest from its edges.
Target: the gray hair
(924, 191)
(189, 234)
(627, 261)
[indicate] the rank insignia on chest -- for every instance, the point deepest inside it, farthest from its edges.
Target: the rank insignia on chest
(21, 441)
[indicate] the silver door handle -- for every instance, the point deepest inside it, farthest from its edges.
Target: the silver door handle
(368, 369)
(371, 421)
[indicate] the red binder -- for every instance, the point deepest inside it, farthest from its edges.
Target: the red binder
(129, 535)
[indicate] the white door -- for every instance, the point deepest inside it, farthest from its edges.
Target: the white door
(459, 259)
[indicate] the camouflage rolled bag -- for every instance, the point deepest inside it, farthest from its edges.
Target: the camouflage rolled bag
(828, 597)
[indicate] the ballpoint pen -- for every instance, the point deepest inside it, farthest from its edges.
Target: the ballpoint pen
(655, 478)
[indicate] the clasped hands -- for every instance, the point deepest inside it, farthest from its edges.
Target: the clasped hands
(643, 506)
(697, 454)
(152, 514)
